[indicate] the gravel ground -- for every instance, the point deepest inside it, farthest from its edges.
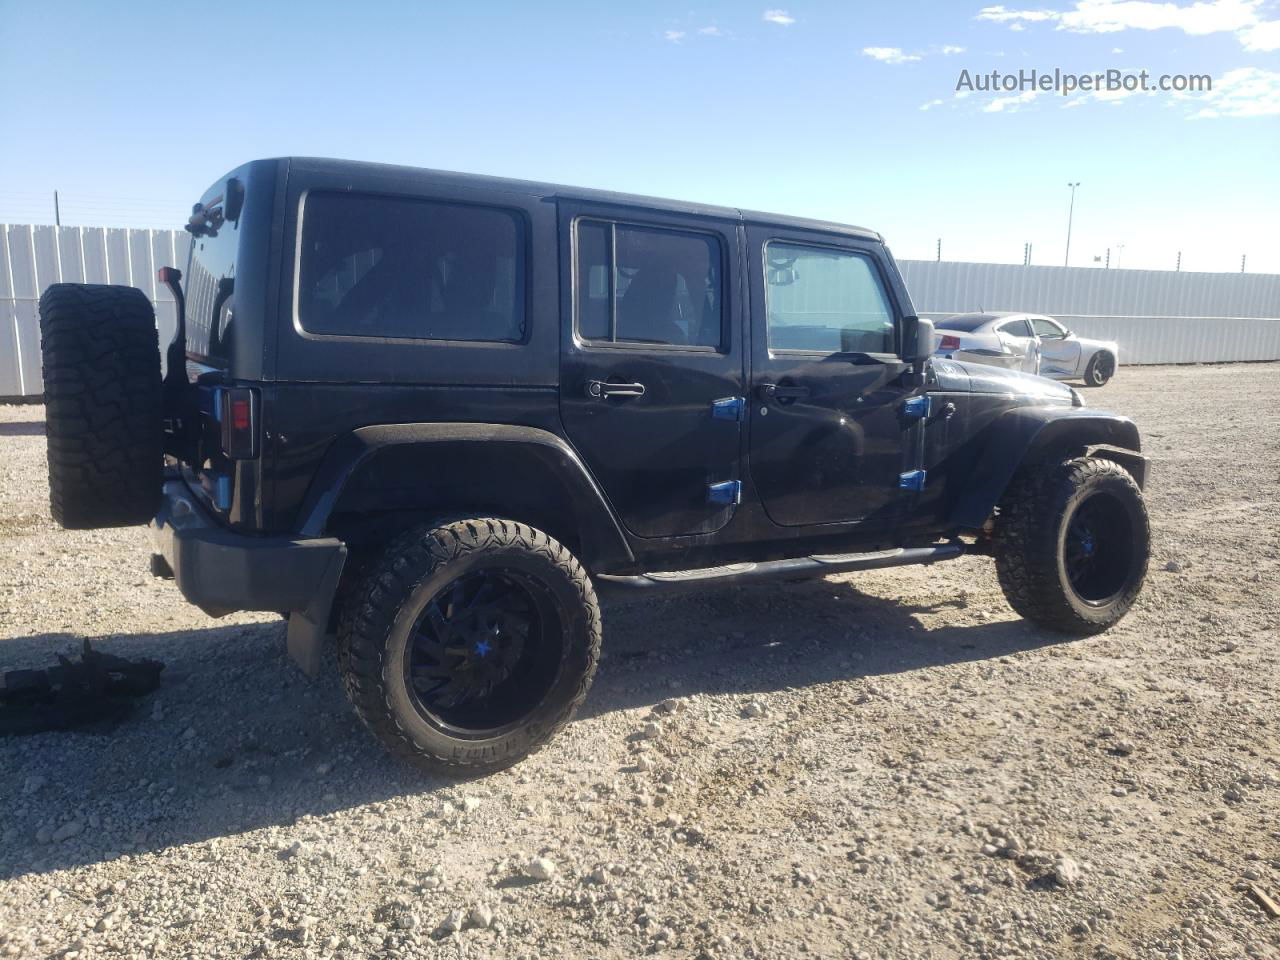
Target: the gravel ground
(887, 764)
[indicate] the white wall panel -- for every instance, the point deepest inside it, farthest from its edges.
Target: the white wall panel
(1157, 316)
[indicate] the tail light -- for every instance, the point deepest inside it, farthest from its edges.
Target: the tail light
(949, 343)
(239, 418)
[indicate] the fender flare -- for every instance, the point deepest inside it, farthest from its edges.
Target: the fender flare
(527, 462)
(1025, 433)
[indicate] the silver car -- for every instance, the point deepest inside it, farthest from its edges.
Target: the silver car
(1028, 342)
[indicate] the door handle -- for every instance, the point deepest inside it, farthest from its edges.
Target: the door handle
(782, 392)
(602, 389)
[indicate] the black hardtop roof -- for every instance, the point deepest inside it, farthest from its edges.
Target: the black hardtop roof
(402, 174)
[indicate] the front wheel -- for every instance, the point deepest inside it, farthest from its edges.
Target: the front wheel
(1100, 370)
(470, 645)
(1071, 545)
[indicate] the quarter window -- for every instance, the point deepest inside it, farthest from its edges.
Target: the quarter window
(648, 285)
(389, 267)
(824, 300)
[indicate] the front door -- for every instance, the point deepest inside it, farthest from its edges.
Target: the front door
(831, 435)
(1059, 353)
(651, 378)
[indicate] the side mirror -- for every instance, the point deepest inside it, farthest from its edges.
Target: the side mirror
(923, 348)
(917, 347)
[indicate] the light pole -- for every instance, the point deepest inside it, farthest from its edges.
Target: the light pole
(1066, 261)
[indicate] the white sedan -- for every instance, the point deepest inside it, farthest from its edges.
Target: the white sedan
(1028, 342)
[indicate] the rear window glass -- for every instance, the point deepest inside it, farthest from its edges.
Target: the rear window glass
(391, 267)
(210, 292)
(965, 324)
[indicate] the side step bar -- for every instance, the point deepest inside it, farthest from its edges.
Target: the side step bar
(739, 574)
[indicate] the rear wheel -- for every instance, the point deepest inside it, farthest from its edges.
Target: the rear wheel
(1072, 544)
(1100, 370)
(101, 356)
(470, 645)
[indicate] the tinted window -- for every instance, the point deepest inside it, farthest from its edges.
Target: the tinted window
(965, 323)
(825, 300)
(210, 290)
(1047, 328)
(1016, 328)
(412, 269)
(648, 285)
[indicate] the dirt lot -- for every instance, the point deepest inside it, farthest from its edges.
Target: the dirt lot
(880, 765)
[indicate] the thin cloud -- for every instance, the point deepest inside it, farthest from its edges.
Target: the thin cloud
(1010, 104)
(951, 49)
(1243, 92)
(780, 17)
(931, 104)
(711, 31)
(1197, 19)
(674, 36)
(1261, 38)
(888, 54)
(1002, 15)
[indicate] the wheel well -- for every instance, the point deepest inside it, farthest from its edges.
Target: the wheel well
(367, 534)
(1064, 439)
(1013, 453)
(369, 531)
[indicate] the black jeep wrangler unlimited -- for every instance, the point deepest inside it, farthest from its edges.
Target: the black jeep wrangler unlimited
(434, 413)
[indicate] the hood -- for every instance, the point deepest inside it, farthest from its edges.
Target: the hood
(981, 378)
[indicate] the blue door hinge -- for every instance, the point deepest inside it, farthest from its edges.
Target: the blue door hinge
(728, 408)
(222, 491)
(728, 493)
(918, 407)
(911, 480)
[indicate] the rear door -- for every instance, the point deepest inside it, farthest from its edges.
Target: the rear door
(651, 380)
(1019, 349)
(831, 439)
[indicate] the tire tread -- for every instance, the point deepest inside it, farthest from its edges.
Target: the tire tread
(1026, 542)
(367, 617)
(101, 355)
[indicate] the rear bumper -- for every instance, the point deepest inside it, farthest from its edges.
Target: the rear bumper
(221, 571)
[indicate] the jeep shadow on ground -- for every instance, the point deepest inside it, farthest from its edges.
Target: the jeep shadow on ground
(22, 428)
(243, 741)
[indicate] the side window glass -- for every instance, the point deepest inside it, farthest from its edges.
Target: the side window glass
(391, 267)
(825, 300)
(649, 285)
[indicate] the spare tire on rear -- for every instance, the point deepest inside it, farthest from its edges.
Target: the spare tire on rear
(103, 409)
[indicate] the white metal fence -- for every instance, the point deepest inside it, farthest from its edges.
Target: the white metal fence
(32, 257)
(1157, 316)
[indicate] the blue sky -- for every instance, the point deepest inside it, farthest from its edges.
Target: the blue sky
(836, 110)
